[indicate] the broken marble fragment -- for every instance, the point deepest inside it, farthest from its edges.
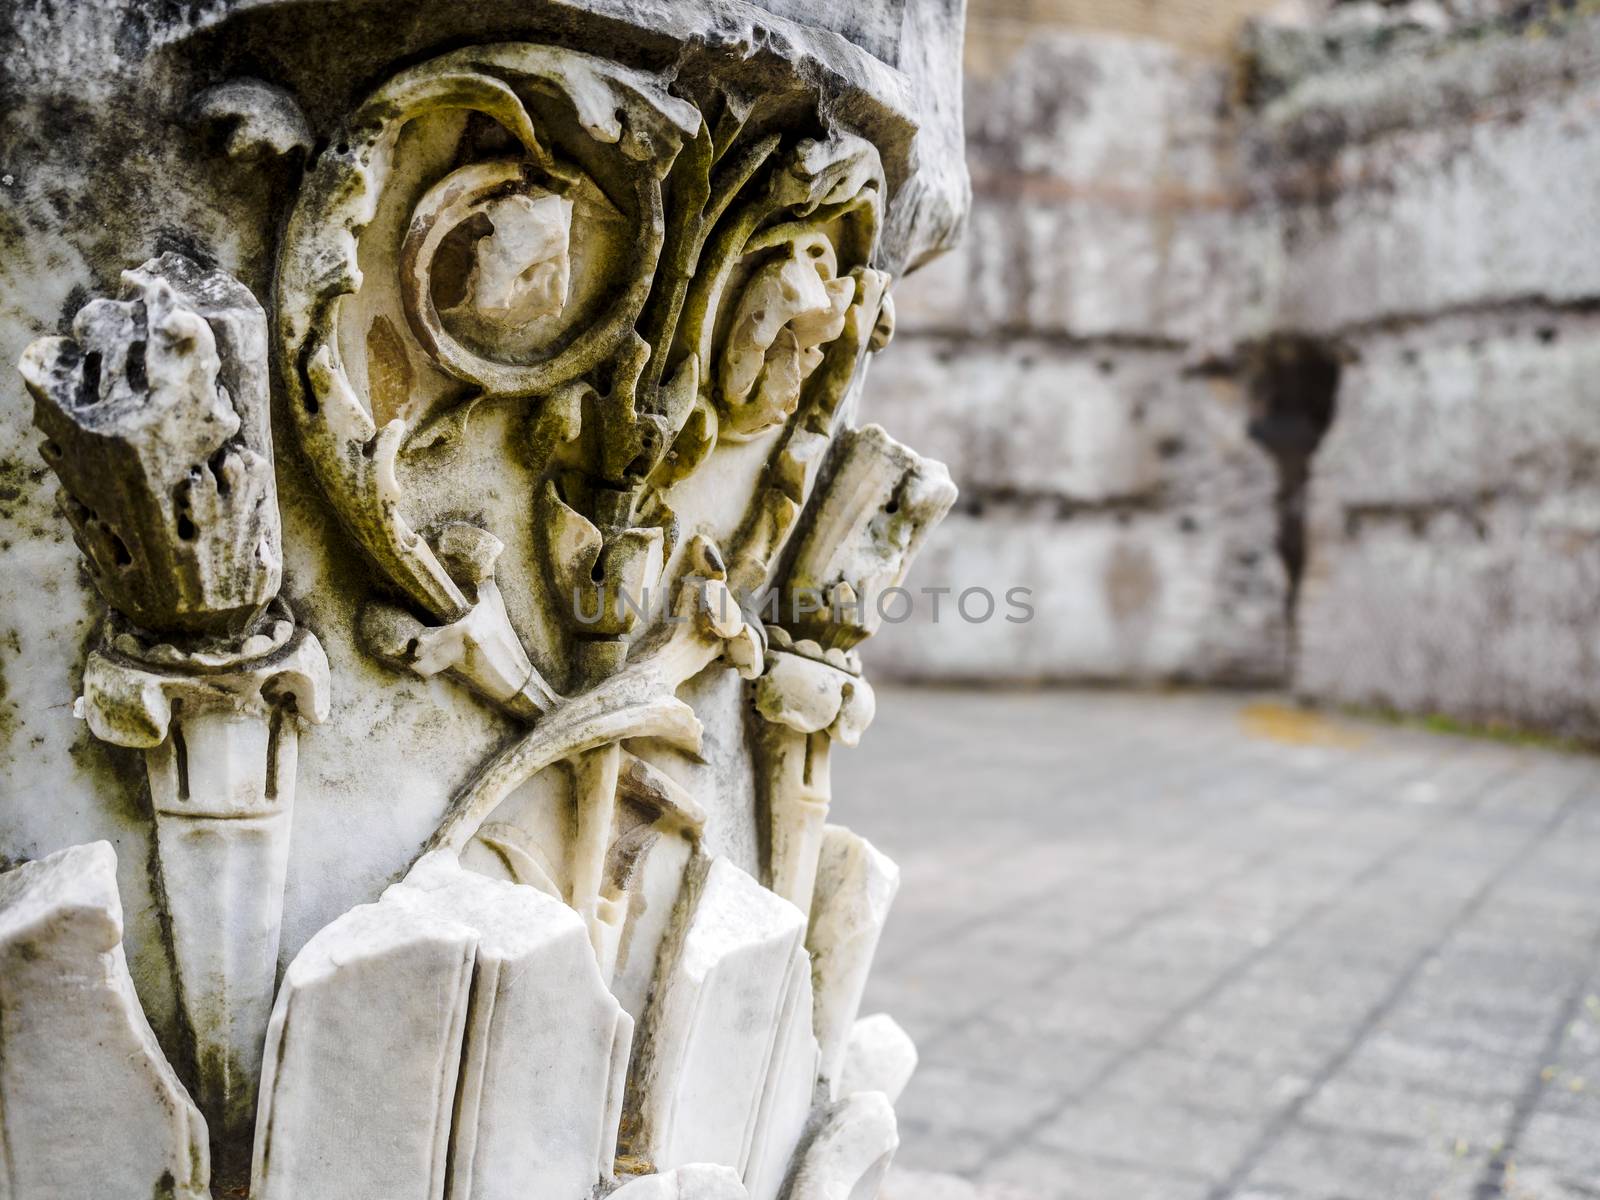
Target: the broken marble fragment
(362, 1060)
(850, 1154)
(155, 419)
(878, 507)
(536, 1107)
(698, 1181)
(879, 1057)
(725, 1076)
(855, 887)
(790, 1090)
(89, 1106)
(521, 270)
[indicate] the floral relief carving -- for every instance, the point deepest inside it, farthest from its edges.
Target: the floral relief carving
(570, 350)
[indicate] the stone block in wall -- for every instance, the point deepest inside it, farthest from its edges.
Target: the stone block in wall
(1126, 494)
(1140, 596)
(1104, 200)
(1090, 108)
(1487, 618)
(1495, 404)
(1426, 183)
(1086, 425)
(1454, 526)
(1167, 271)
(972, 290)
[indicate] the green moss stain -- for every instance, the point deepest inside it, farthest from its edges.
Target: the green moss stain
(1508, 732)
(8, 712)
(21, 486)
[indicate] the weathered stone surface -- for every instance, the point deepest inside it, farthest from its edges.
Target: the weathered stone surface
(700, 1181)
(208, 182)
(1105, 201)
(1497, 405)
(1141, 596)
(533, 343)
(1372, 173)
(855, 887)
(88, 1103)
(1129, 501)
(1090, 427)
(879, 1057)
(1425, 155)
(1046, 360)
(362, 1059)
(1455, 526)
(727, 1063)
(851, 1151)
(545, 1051)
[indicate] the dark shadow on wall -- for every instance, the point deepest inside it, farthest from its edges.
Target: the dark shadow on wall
(1293, 388)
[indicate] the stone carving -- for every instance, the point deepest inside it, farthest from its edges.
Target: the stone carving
(856, 886)
(219, 729)
(374, 1005)
(155, 411)
(481, 985)
(88, 1104)
(879, 1057)
(882, 501)
(521, 1069)
(565, 345)
(727, 1059)
(157, 425)
(851, 1152)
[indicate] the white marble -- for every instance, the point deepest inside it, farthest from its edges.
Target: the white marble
(545, 1053)
(89, 1105)
(851, 1151)
(428, 601)
(878, 1057)
(856, 885)
(362, 1060)
(727, 1043)
(698, 1181)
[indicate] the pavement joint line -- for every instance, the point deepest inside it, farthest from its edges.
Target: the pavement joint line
(1289, 1114)
(1490, 1183)
(1115, 770)
(1131, 927)
(1214, 781)
(1059, 816)
(1029, 1131)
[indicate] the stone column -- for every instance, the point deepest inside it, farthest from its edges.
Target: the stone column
(570, 310)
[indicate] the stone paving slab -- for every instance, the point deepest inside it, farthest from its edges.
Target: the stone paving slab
(1192, 946)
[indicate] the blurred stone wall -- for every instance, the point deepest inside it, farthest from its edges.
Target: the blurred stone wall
(1269, 355)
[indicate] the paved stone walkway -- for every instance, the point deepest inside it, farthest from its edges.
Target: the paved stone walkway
(1200, 946)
